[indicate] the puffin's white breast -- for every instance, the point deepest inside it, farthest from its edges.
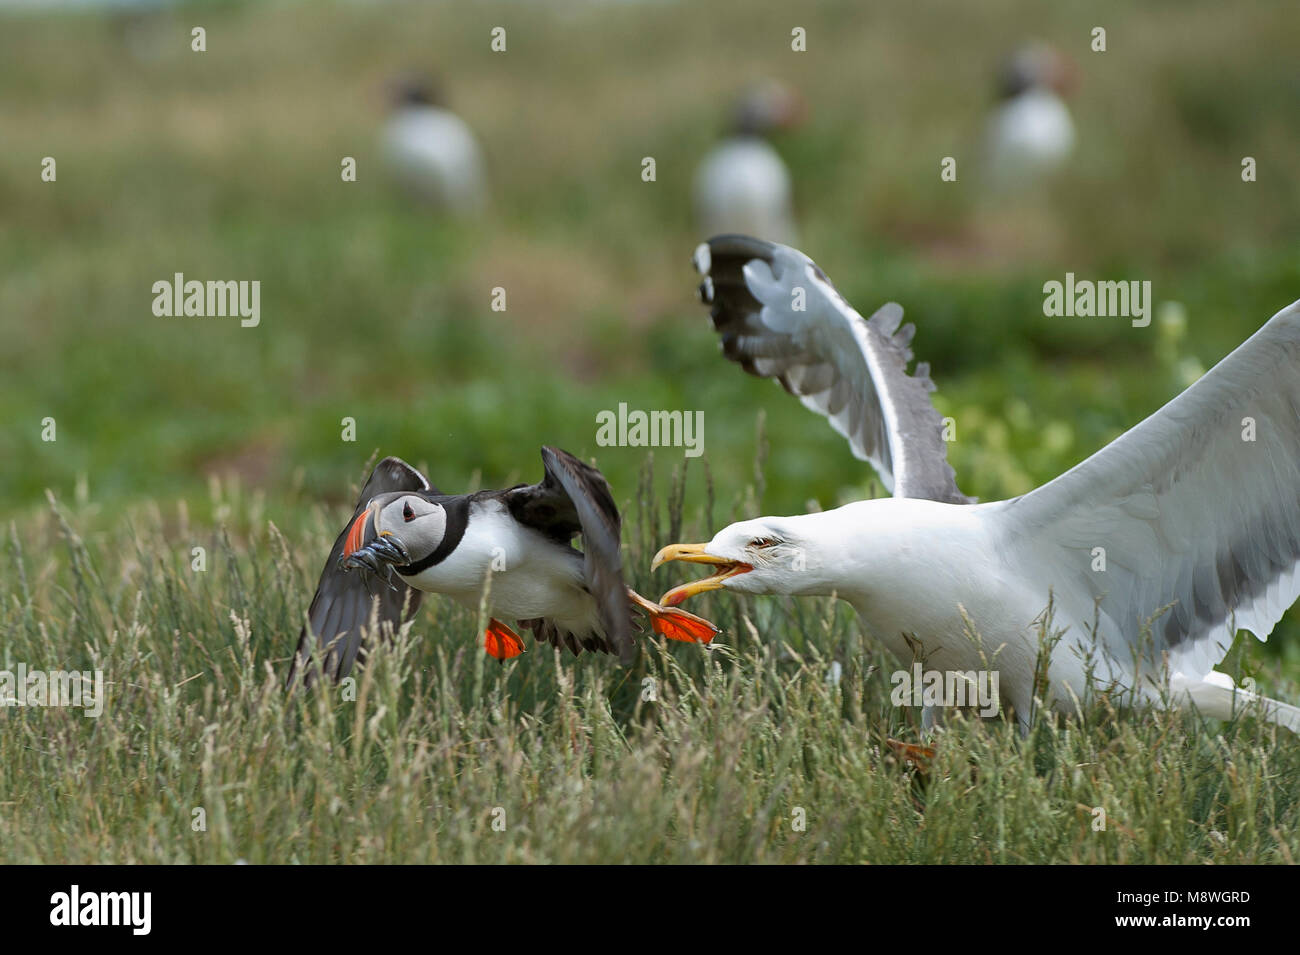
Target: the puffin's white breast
(434, 154)
(744, 186)
(531, 576)
(1030, 133)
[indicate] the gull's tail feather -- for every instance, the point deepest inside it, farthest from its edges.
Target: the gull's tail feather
(1216, 695)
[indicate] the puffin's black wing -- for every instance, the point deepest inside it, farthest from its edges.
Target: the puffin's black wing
(344, 600)
(574, 498)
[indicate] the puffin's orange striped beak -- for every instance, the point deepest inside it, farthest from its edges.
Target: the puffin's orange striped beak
(356, 538)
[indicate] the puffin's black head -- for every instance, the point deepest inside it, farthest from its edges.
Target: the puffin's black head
(768, 107)
(1035, 65)
(414, 89)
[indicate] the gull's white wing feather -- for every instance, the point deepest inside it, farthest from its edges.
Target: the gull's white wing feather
(1190, 513)
(849, 369)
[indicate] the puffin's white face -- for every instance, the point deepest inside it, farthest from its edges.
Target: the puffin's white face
(417, 523)
(762, 556)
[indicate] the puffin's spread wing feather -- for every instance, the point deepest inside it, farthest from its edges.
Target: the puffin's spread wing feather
(574, 498)
(780, 317)
(344, 601)
(1197, 507)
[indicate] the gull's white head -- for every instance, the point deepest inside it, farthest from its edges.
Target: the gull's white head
(768, 555)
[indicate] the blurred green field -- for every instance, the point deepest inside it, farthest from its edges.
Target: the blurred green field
(225, 164)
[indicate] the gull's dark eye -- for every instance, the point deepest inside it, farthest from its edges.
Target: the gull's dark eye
(758, 542)
(408, 515)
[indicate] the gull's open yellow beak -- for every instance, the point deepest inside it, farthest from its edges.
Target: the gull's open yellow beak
(695, 554)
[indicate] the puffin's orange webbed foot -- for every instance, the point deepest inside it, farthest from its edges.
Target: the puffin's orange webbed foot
(914, 753)
(680, 625)
(673, 623)
(501, 642)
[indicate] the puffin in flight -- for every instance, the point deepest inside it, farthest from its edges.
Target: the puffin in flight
(407, 538)
(1150, 554)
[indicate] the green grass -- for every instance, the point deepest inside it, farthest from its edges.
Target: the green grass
(436, 741)
(181, 433)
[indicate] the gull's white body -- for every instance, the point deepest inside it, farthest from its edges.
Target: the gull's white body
(909, 568)
(916, 566)
(951, 585)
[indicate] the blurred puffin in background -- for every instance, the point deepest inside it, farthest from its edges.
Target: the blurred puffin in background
(431, 152)
(1030, 133)
(743, 185)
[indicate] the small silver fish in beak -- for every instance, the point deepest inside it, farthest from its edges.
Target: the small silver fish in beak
(379, 557)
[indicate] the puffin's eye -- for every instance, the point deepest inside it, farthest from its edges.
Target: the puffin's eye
(408, 515)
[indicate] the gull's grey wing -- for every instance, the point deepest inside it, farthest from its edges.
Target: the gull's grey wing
(345, 600)
(780, 317)
(574, 498)
(1196, 509)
